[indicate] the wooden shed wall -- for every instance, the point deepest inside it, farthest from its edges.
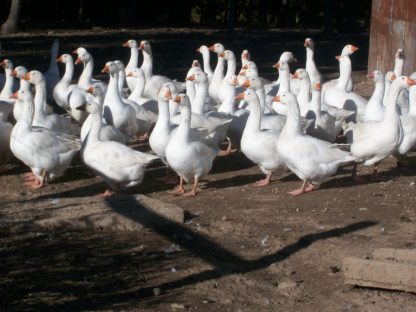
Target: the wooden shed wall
(393, 26)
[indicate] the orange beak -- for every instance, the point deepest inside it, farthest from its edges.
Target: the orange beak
(168, 95)
(90, 89)
(212, 48)
(245, 66)
(295, 76)
(14, 73)
(318, 86)
(245, 56)
(78, 60)
(277, 65)
(141, 47)
(106, 69)
(14, 95)
(246, 84)
(306, 43)
(197, 50)
(239, 96)
(130, 74)
(126, 44)
(177, 99)
(276, 98)
(393, 77)
(60, 59)
(191, 78)
(370, 75)
(242, 73)
(222, 54)
(338, 57)
(411, 82)
(354, 48)
(234, 82)
(26, 77)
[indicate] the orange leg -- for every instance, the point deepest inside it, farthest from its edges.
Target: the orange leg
(36, 183)
(192, 192)
(179, 189)
(108, 193)
(303, 189)
(265, 181)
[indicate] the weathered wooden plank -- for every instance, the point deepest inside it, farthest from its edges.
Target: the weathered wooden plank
(403, 255)
(380, 274)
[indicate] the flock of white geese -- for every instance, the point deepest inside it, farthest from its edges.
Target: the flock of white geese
(289, 124)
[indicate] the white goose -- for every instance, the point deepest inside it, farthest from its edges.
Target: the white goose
(203, 49)
(153, 82)
(67, 95)
(375, 140)
(218, 75)
(41, 118)
(311, 159)
(46, 152)
(344, 75)
(190, 84)
(310, 67)
(108, 132)
(403, 100)
(119, 166)
(189, 152)
(259, 145)
(229, 56)
(303, 96)
(133, 61)
(388, 79)
(19, 72)
(86, 80)
(409, 125)
(375, 110)
(324, 125)
(284, 86)
(115, 111)
(121, 78)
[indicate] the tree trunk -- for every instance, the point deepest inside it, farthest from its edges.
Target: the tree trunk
(11, 25)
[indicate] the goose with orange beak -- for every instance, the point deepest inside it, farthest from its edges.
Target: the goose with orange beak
(257, 143)
(375, 140)
(310, 66)
(204, 50)
(312, 160)
(7, 90)
(375, 110)
(190, 152)
(133, 61)
(218, 75)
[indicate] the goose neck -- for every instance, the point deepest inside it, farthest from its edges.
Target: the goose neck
(344, 73)
(147, 65)
(86, 74)
(134, 58)
(201, 93)
(284, 77)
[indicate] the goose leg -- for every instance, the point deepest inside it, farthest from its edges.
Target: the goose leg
(192, 192)
(179, 189)
(265, 181)
(107, 193)
(300, 190)
(37, 183)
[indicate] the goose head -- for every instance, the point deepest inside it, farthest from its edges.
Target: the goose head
(404, 82)
(19, 72)
(145, 46)
(165, 94)
(7, 64)
(348, 50)
(91, 107)
(135, 72)
(131, 44)
(120, 65)
(300, 73)
(390, 76)
(249, 95)
(217, 48)
(25, 96)
(309, 43)
(285, 98)
(202, 49)
(34, 77)
(376, 75)
(288, 57)
(110, 68)
(199, 77)
(183, 100)
(282, 65)
(83, 55)
(227, 54)
(65, 58)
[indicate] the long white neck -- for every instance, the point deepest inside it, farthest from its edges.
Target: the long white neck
(163, 119)
(24, 85)
(284, 77)
(95, 129)
(303, 95)
(231, 67)
(190, 90)
(86, 74)
(206, 60)
(219, 69)
(138, 88)
(113, 95)
(261, 93)
(147, 65)
(315, 104)
(344, 73)
(391, 109)
(310, 62)
(8, 85)
(134, 58)
(398, 67)
(387, 86)
(227, 106)
(412, 101)
(201, 93)
(121, 80)
(184, 125)
(292, 126)
(28, 113)
(40, 98)
(254, 118)
(69, 73)
(377, 96)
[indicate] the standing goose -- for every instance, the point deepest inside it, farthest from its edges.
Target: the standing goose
(153, 82)
(203, 49)
(119, 166)
(409, 126)
(86, 80)
(133, 61)
(303, 96)
(189, 151)
(311, 68)
(48, 153)
(229, 56)
(67, 95)
(403, 100)
(19, 72)
(284, 86)
(41, 118)
(137, 94)
(311, 159)
(218, 75)
(259, 145)
(115, 111)
(375, 140)
(375, 110)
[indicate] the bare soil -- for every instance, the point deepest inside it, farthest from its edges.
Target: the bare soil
(241, 248)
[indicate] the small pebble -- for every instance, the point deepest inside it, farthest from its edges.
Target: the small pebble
(156, 291)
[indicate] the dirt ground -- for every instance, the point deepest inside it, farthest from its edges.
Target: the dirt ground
(241, 248)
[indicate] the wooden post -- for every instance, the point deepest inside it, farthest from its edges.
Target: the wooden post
(393, 26)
